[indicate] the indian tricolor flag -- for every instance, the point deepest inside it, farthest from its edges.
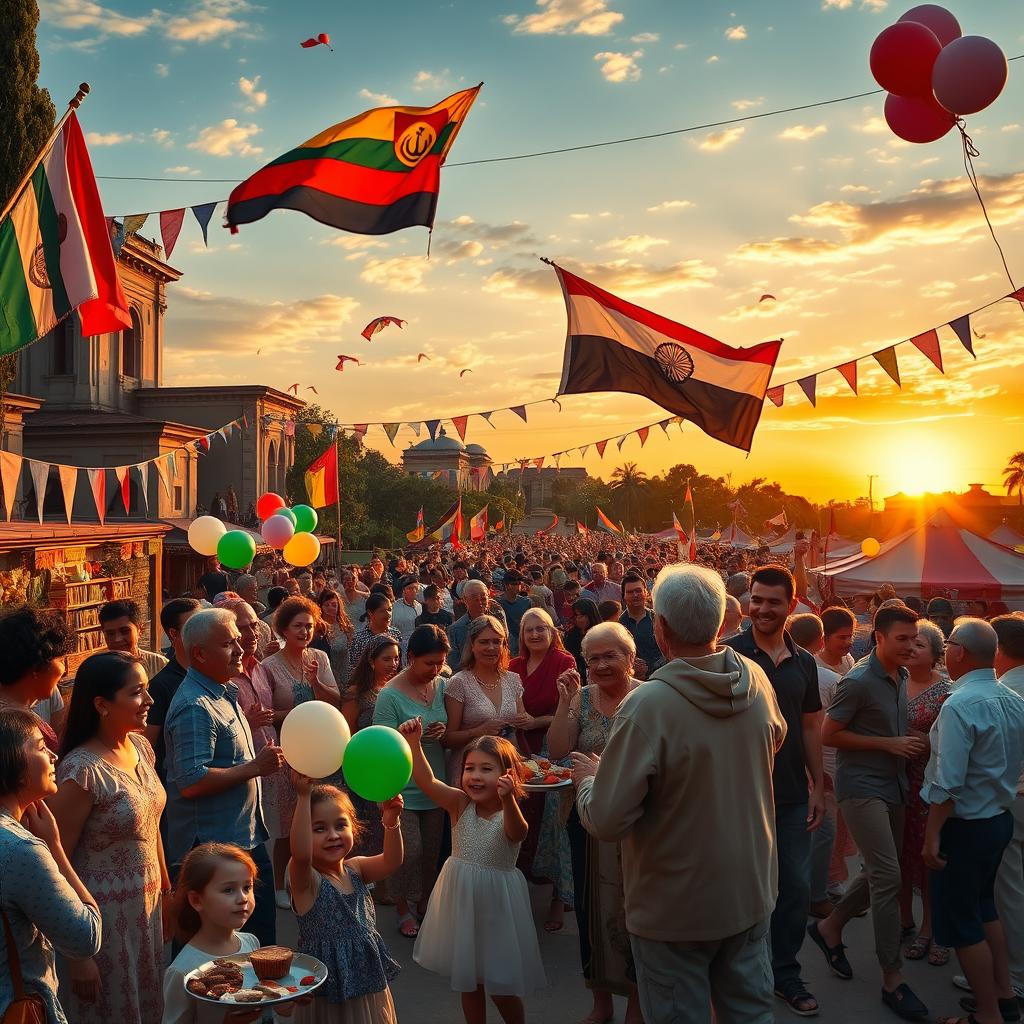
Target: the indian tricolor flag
(55, 254)
(612, 345)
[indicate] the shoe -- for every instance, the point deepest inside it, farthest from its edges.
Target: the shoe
(282, 900)
(1009, 1009)
(798, 999)
(902, 1001)
(834, 955)
(961, 982)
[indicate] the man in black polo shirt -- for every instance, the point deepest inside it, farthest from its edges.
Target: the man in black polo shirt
(799, 807)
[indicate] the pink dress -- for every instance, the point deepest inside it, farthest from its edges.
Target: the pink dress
(477, 708)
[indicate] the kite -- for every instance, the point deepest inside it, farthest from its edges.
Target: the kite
(321, 40)
(978, 335)
(377, 325)
(462, 373)
(422, 356)
(342, 360)
(309, 387)
(293, 388)
(767, 296)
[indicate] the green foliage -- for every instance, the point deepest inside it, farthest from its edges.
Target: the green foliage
(572, 499)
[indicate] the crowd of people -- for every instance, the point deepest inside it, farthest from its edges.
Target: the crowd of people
(734, 739)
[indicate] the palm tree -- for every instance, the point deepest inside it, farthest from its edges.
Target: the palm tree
(629, 486)
(1013, 476)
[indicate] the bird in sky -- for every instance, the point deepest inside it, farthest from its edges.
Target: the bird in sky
(462, 373)
(310, 387)
(766, 296)
(293, 388)
(422, 356)
(342, 360)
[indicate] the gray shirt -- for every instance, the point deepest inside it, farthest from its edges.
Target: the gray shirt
(870, 703)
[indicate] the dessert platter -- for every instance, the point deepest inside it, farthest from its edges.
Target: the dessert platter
(544, 775)
(272, 974)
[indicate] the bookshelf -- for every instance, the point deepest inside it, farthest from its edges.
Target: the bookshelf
(81, 603)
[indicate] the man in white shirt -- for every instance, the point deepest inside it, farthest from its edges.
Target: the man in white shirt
(120, 622)
(834, 654)
(405, 610)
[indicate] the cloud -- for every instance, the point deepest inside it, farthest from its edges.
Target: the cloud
(713, 59)
(671, 206)
(161, 70)
(209, 20)
(250, 88)
(382, 99)
(802, 132)
(229, 138)
(715, 142)
(619, 67)
(681, 46)
(587, 216)
(181, 169)
(856, 188)
(397, 274)
(83, 15)
(645, 37)
(108, 138)
(633, 244)
(162, 137)
(354, 243)
(872, 126)
(431, 80)
(1010, 128)
(744, 105)
(735, 33)
(567, 17)
(495, 235)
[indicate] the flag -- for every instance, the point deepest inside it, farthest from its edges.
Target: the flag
(418, 534)
(550, 528)
(604, 523)
(581, 529)
(780, 521)
(678, 527)
(692, 553)
(613, 345)
(375, 173)
(499, 525)
(444, 529)
(55, 254)
(321, 478)
(478, 526)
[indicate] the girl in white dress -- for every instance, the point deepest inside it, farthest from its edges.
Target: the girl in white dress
(478, 929)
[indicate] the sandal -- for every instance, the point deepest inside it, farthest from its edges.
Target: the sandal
(408, 927)
(918, 949)
(556, 917)
(1009, 1009)
(938, 956)
(834, 955)
(798, 999)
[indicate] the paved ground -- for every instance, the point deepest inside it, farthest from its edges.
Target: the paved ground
(423, 998)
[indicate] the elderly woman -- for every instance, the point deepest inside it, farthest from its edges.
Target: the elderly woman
(44, 902)
(581, 723)
(545, 853)
(927, 689)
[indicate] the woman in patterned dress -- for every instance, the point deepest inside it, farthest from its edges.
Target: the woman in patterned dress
(336, 636)
(581, 723)
(107, 807)
(927, 688)
(377, 622)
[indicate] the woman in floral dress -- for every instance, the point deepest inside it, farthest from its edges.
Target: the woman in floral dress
(336, 636)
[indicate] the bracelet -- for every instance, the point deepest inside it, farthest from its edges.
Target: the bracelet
(397, 824)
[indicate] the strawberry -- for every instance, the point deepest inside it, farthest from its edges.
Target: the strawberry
(307, 980)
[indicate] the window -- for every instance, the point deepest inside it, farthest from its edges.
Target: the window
(131, 347)
(64, 347)
(178, 498)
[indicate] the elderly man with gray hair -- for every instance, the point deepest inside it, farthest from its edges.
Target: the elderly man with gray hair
(685, 784)
(477, 599)
(970, 784)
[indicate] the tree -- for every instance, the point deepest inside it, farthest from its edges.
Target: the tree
(574, 499)
(629, 485)
(1013, 476)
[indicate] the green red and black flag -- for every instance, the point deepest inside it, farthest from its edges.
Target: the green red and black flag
(373, 174)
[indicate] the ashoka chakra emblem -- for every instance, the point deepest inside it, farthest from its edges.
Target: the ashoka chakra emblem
(674, 361)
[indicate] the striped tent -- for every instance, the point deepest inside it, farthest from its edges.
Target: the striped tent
(1006, 535)
(938, 558)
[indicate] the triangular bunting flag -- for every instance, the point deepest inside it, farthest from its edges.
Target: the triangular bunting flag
(664, 424)
(809, 386)
(415, 428)
(622, 441)
(68, 485)
(538, 463)
(133, 223)
(600, 446)
(161, 472)
(886, 359)
(98, 486)
(203, 213)
(777, 395)
(40, 472)
(523, 464)
(10, 471)
(849, 372)
(124, 479)
(459, 422)
(642, 434)
(170, 228)
(584, 450)
(962, 328)
(144, 481)
(520, 411)
(391, 429)
(204, 442)
(172, 463)
(432, 426)
(487, 416)
(928, 344)
(359, 429)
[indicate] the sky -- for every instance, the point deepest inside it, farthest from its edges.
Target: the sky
(864, 240)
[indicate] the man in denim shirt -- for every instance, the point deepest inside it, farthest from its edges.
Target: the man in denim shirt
(213, 772)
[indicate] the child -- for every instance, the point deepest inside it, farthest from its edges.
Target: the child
(214, 898)
(478, 928)
(337, 922)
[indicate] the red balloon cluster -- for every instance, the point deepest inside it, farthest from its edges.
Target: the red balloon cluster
(934, 73)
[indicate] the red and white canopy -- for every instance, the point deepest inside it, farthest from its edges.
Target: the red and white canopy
(1006, 535)
(937, 559)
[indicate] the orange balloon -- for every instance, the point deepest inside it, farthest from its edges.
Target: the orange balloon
(302, 550)
(870, 547)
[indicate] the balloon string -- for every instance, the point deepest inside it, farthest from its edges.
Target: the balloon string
(970, 152)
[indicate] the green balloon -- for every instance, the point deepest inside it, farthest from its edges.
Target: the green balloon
(236, 549)
(378, 763)
(289, 515)
(305, 519)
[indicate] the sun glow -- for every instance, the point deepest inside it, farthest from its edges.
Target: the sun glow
(922, 463)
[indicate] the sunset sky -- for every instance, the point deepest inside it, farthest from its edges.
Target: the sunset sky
(864, 240)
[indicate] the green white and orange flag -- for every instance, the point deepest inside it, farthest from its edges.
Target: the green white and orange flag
(415, 536)
(55, 254)
(321, 478)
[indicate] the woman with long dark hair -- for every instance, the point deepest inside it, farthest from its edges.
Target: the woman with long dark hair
(585, 617)
(108, 806)
(376, 622)
(335, 635)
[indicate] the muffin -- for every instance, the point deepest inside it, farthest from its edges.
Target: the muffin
(271, 962)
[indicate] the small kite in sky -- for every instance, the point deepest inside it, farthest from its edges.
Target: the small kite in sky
(978, 335)
(321, 40)
(293, 388)
(462, 373)
(422, 356)
(309, 387)
(378, 324)
(767, 296)
(342, 360)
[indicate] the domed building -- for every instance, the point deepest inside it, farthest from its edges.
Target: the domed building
(464, 467)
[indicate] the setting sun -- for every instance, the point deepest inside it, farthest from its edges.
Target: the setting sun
(923, 462)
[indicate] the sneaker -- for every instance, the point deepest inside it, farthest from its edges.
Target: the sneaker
(961, 982)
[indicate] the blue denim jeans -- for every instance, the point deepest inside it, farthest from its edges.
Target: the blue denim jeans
(789, 919)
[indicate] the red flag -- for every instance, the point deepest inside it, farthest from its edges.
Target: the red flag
(321, 479)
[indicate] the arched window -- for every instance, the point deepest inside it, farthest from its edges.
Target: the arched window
(64, 347)
(272, 468)
(131, 347)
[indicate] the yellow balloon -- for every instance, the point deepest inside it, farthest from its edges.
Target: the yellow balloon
(302, 549)
(870, 547)
(313, 738)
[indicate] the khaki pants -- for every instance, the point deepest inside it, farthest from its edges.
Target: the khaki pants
(877, 829)
(1010, 895)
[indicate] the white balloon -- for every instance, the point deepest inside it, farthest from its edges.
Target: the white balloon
(313, 738)
(204, 533)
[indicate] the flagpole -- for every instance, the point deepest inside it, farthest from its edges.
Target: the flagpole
(74, 103)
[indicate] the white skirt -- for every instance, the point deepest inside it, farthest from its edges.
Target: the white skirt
(479, 930)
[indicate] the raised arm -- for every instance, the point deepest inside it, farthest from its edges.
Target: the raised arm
(301, 876)
(512, 819)
(450, 799)
(380, 866)
(565, 727)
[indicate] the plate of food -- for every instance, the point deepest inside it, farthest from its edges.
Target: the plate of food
(544, 776)
(272, 974)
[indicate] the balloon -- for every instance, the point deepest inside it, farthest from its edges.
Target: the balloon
(869, 547)
(277, 531)
(324, 38)
(313, 738)
(305, 519)
(268, 504)
(287, 513)
(303, 549)
(378, 763)
(236, 549)
(969, 74)
(204, 533)
(902, 58)
(938, 19)
(917, 118)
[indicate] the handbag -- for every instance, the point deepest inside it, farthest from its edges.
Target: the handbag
(26, 1007)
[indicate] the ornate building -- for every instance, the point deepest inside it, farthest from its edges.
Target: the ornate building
(463, 467)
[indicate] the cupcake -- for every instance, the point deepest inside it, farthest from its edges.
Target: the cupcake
(271, 962)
